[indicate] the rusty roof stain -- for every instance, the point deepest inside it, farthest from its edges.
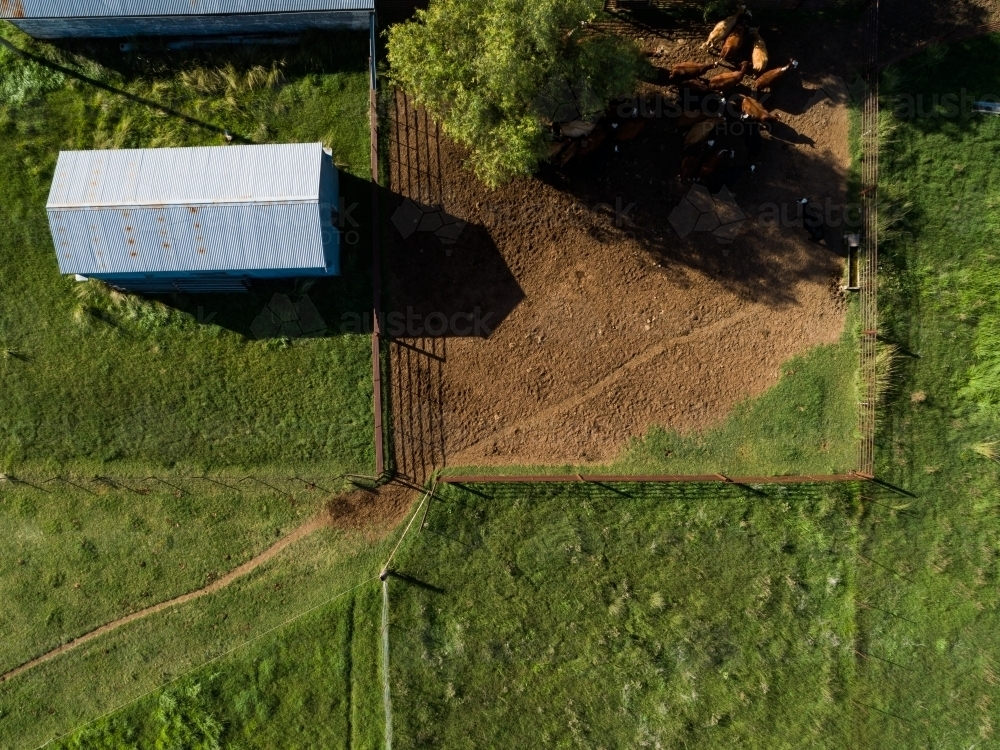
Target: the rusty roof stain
(11, 9)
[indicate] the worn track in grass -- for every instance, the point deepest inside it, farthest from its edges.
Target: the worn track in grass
(248, 567)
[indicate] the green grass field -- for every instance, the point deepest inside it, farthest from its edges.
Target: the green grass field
(96, 384)
(938, 295)
(312, 684)
(99, 385)
(859, 615)
(626, 616)
(74, 560)
(229, 631)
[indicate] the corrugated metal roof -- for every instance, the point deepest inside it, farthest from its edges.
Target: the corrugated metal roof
(117, 8)
(285, 173)
(193, 210)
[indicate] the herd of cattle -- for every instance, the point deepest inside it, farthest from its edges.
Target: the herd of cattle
(711, 113)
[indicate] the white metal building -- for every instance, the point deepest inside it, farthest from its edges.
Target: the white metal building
(194, 219)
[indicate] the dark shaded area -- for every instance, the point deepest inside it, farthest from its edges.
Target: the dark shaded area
(905, 26)
(790, 95)
(467, 295)
(314, 52)
(473, 291)
(397, 11)
(643, 172)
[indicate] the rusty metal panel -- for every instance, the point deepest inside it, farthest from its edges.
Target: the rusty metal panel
(183, 211)
(55, 19)
(118, 8)
(187, 26)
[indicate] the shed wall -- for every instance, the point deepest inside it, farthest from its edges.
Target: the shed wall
(200, 25)
(329, 205)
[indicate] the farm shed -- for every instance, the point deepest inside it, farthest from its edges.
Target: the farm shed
(196, 219)
(56, 19)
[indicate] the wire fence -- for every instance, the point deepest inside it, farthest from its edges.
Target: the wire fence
(384, 576)
(386, 691)
(644, 478)
(868, 280)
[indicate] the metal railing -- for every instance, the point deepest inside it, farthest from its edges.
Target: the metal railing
(376, 251)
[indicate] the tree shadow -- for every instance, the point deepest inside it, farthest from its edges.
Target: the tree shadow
(904, 26)
(631, 189)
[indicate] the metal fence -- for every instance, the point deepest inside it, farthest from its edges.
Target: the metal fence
(458, 479)
(424, 185)
(868, 280)
(376, 251)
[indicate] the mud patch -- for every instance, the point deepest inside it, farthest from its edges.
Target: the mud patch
(372, 512)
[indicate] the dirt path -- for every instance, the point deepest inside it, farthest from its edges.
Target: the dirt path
(248, 567)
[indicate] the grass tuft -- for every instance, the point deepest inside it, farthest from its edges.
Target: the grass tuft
(886, 370)
(989, 449)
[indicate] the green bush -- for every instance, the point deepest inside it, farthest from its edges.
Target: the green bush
(496, 73)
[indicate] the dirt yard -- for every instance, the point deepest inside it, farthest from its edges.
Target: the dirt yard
(601, 320)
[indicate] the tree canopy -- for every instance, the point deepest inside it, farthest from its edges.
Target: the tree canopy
(495, 73)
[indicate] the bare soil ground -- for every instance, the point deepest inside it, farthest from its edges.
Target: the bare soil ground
(372, 512)
(604, 321)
